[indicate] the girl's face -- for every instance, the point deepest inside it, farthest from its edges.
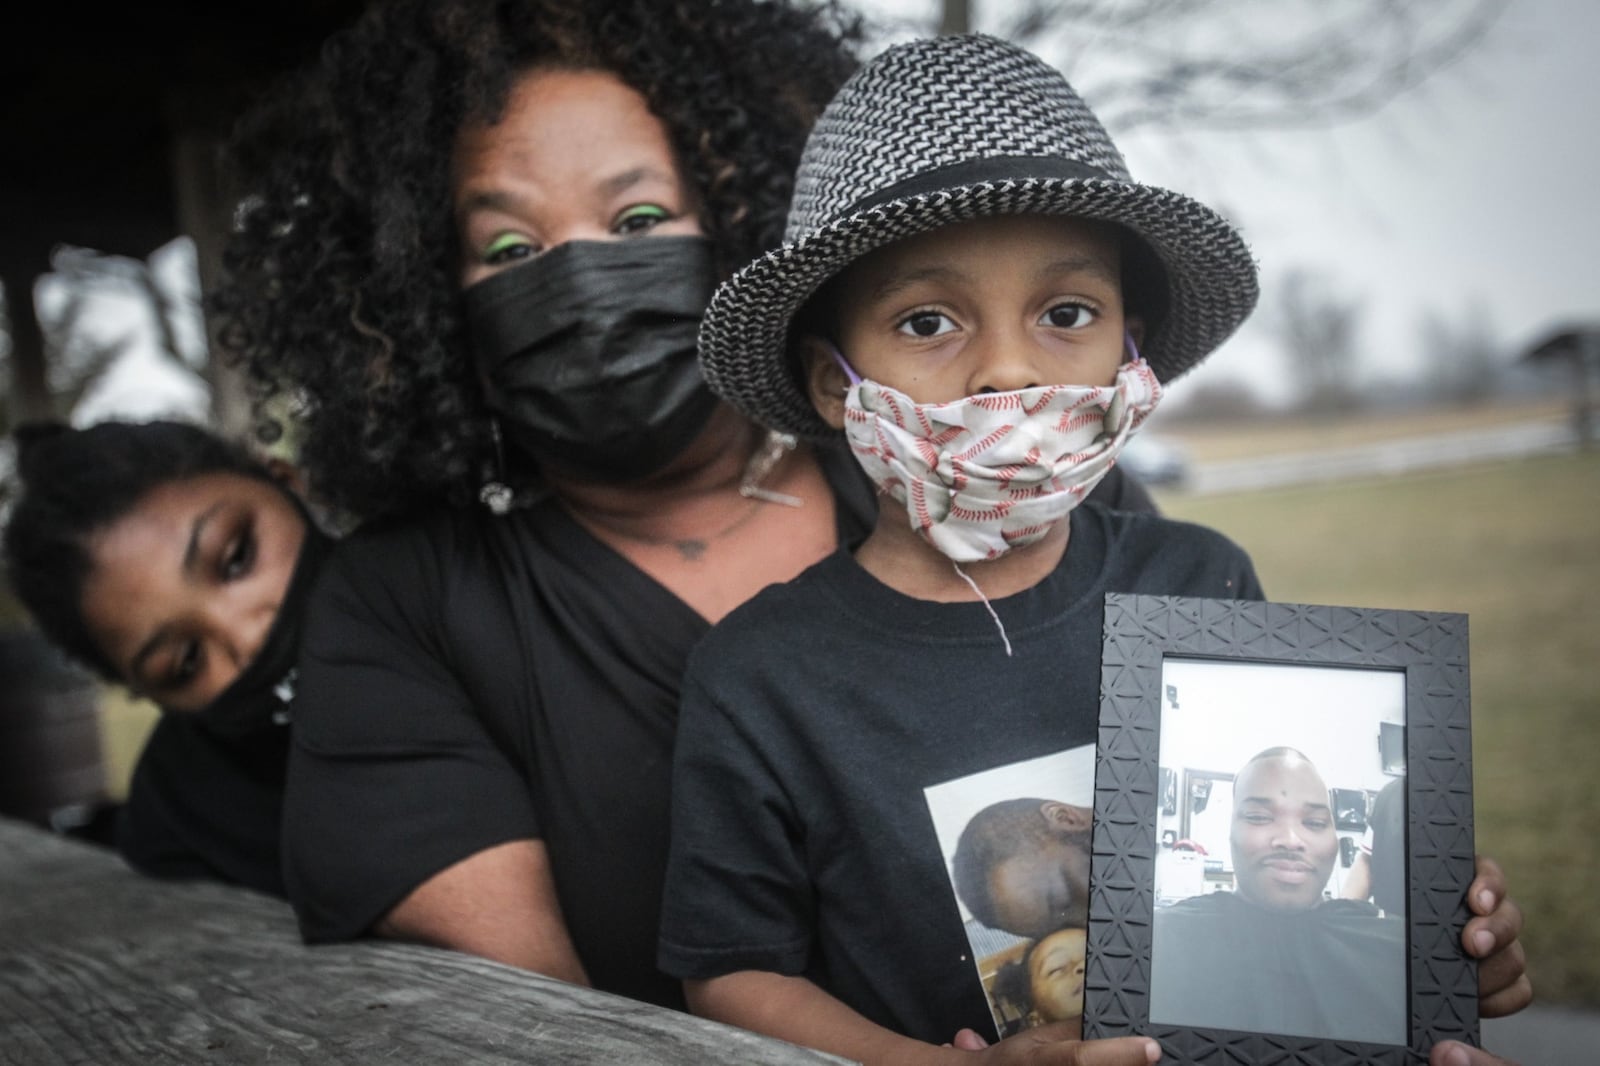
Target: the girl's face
(1055, 975)
(577, 155)
(185, 585)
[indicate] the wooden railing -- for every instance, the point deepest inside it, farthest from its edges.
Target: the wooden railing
(100, 965)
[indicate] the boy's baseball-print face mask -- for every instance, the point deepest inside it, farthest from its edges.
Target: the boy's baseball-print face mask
(985, 474)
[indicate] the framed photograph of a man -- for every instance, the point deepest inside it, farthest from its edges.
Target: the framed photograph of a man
(1272, 913)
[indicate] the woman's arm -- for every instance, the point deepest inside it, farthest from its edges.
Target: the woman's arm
(499, 903)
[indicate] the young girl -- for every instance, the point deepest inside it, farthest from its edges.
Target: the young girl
(171, 562)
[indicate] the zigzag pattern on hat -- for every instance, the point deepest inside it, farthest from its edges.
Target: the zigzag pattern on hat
(912, 114)
(896, 119)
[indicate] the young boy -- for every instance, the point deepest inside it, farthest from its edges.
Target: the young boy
(968, 275)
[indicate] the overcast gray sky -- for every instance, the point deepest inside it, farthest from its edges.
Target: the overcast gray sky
(1475, 190)
(1476, 187)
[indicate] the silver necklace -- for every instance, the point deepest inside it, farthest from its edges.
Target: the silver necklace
(501, 498)
(768, 455)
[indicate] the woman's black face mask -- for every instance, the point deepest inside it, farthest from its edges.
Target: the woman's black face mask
(259, 697)
(588, 352)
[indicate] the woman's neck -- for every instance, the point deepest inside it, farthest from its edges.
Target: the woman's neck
(696, 532)
(896, 555)
(693, 492)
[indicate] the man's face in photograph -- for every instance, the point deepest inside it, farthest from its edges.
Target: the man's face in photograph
(1282, 836)
(1046, 888)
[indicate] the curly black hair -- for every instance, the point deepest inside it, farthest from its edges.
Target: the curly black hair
(341, 279)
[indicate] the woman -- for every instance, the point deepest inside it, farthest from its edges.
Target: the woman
(171, 562)
(481, 760)
(480, 235)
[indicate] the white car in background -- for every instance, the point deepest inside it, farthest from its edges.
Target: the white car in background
(1156, 460)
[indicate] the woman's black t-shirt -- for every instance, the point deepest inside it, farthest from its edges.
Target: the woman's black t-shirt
(200, 806)
(468, 680)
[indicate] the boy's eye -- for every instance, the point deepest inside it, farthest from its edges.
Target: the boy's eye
(639, 218)
(926, 324)
(1068, 316)
(508, 248)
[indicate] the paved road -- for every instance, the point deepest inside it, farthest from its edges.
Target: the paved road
(1384, 459)
(1546, 1036)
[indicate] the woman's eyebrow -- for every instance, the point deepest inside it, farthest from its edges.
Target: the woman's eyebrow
(487, 200)
(149, 648)
(492, 199)
(620, 183)
(191, 551)
(191, 557)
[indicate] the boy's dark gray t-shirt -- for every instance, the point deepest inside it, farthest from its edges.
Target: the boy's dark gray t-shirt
(815, 716)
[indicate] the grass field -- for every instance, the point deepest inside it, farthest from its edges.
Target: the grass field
(1218, 440)
(1517, 547)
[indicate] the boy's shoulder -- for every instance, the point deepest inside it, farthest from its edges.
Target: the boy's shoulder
(780, 612)
(1154, 554)
(1160, 529)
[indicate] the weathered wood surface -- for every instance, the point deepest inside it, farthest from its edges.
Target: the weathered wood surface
(99, 965)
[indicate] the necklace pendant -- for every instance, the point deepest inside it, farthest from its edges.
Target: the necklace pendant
(756, 492)
(497, 496)
(771, 452)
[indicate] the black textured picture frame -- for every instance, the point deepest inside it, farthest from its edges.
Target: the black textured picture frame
(1140, 633)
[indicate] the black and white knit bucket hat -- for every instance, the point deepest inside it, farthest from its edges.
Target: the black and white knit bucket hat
(945, 130)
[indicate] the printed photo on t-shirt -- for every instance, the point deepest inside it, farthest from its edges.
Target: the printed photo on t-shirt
(1015, 841)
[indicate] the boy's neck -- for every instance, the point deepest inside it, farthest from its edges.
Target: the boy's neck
(897, 556)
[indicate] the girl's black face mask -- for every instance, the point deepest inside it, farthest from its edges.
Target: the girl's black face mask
(259, 697)
(587, 353)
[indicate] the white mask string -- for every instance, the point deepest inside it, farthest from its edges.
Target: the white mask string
(986, 605)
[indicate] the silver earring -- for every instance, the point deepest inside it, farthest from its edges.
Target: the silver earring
(495, 493)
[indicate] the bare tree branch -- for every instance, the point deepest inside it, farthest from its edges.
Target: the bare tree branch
(1319, 328)
(1239, 64)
